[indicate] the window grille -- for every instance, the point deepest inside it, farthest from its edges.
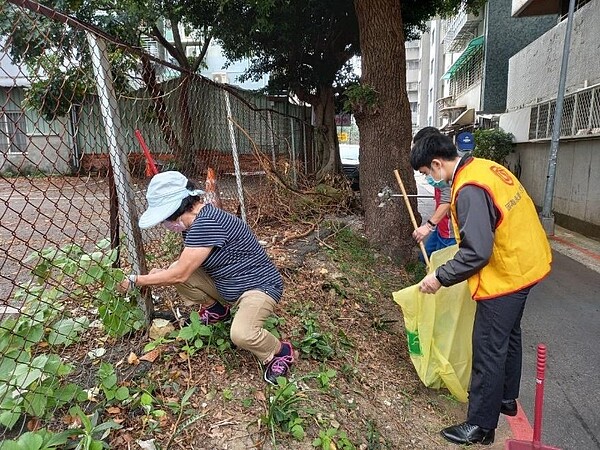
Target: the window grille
(468, 75)
(412, 64)
(12, 133)
(580, 116)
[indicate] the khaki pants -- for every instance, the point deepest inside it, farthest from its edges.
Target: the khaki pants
(254, 307)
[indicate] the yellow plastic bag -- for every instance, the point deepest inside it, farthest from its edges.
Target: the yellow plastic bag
(439, 328)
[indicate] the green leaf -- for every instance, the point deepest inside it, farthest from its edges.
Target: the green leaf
(67, 393)
(187, 333)
(66, 331)
(110, 425)
(10, 418)
(122, 393)
(36, 404)
(146, 399)
(187, 395)
(96, 445)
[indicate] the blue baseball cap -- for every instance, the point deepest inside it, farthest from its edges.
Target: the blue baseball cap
(465, 141)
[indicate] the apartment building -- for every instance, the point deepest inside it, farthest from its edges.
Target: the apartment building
(463, 64)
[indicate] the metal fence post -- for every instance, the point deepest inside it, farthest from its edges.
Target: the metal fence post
(293, 148)
(118, 160)
(547, 217)
(236, 160)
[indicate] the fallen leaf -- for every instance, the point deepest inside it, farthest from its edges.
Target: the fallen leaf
(113, 410)
(133, 359)
(260, 396)
(146, 445)
(151, 355)
(33, 424)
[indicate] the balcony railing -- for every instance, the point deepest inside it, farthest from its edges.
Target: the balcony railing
(460, 29)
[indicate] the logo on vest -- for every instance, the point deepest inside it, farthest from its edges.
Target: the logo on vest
(503, 174)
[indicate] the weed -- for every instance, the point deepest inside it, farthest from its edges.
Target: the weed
(283, 412)
(349, 372)
(374, 439)
(39, 440)
(354, 249)
(324, 377)
(228, 394)
(316, 344)
(93, 433)
(107, 378)
(416, 271)
(333, 438)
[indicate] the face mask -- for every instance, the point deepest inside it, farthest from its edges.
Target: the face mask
(441, 183)
(176, 227)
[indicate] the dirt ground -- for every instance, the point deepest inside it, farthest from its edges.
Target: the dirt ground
(375, 396)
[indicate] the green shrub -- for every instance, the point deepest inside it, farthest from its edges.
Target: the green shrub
(494, 144)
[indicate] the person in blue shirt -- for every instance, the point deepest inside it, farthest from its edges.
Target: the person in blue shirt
(437, 231)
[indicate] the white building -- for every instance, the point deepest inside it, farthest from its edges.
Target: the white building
(533, 80)
(464, 64)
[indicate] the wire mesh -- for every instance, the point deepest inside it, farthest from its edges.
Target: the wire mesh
(72, 183)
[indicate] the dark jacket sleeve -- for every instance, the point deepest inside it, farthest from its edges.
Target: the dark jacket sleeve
(477, 217)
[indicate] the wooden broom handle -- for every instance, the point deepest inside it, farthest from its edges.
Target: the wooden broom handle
(411, 213)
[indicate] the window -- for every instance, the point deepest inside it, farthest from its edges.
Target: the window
(413, 107)
(580, 117)
(431, 66)
(412, 64)
(467, 75)
(412, 86)
(430, 98)
(12, 133)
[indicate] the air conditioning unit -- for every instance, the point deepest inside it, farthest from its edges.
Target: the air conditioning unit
(220, 77)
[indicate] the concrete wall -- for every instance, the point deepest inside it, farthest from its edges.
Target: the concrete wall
(534, 71)
(505, 36)
(470, 98)
(43, 154)
(576, 203)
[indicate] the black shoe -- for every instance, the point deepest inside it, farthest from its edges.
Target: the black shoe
(509, 407)
(467, 434)
(279, 366)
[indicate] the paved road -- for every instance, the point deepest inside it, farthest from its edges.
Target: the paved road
(564, 313)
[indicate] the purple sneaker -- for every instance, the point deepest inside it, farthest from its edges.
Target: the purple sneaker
(279, 366)
(208, 317)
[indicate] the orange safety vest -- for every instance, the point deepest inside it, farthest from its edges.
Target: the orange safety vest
(521, 255)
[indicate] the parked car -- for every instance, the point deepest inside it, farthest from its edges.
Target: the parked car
(349, 157)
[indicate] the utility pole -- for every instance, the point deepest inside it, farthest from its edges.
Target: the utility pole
(547, 217)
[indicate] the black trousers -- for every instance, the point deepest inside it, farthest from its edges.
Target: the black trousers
(497, 357)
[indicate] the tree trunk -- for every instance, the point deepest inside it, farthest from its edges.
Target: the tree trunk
(385, 127)
(327, 155)
(160, 108)
(188, 143)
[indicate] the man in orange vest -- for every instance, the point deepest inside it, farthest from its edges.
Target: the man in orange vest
(503, 252)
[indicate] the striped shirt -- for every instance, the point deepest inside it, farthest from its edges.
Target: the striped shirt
(237, 263)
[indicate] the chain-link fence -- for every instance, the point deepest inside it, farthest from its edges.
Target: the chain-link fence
(77, 109)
